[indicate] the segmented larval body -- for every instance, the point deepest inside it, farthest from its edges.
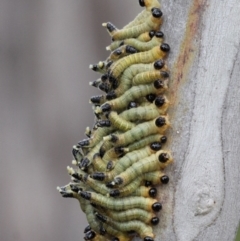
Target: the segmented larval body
(122, 159)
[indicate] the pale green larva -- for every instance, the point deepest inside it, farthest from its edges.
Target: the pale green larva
(156, 161)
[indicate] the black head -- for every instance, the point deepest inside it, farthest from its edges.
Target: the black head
(157, 206)
(163, 157)
(147, 238)
(165, 47)
(155, 221)
(153, 192)
(164, 179)
(151, 33)
(155, 146)
(156, 12)
(142, 3)
(160, 121)
(159, 64)
(159, 34)
(159, 101)
(151, 97)
(114, 193)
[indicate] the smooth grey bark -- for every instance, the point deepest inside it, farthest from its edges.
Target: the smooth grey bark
(202, 202)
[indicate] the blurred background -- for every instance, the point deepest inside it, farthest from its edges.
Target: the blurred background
(46, 47)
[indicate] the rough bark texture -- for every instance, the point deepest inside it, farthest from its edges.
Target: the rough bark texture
(203, 201)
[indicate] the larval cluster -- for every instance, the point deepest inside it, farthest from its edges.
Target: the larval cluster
(122, 160)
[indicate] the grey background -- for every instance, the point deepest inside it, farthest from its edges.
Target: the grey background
(46, 47)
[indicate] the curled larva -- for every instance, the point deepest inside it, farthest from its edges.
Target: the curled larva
(155, 177)
(149, 76)
(146, 141)
(125, 203)
(133, 214)
(87, 159)
(123, 163)
(114, 152)
(134, 93)
(156, 161)
(142, 39)
(96, 136)
(158, 125)
(158, 52)
(141, 228)
(134, 188)
(124, 121)
(152, 22)
(140, 18)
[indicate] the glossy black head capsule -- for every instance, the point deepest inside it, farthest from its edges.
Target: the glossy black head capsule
(111, 95)
(84, 142)
(96, 99)
(160, 121)
(101, 217)
(152, 192)
(103, 123)
(104, 77)
(164, 74)
(158, 84)
(142, 3)
(151, 97)
(147, 238)
(104, 87)
(164, 179)
(109, 185)
(159, 34)
(151, 33)
(110, 27)
(163, 157)
(84, 163)
(156, 12)
(90, 235)
(85, 195)
(159, 101)
(157, 206)
(130, 50)
(88, 228)
(159, 64)
(109, 63)
(165, 47)
(98, 176)
(117, 52)
(163, 139)
(94, 67)
(114, 193)
(155, 221)
(106, 107)
(155, 146)
(74, 188)
(66, 194)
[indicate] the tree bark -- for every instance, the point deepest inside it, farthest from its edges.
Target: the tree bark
(202, 201)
